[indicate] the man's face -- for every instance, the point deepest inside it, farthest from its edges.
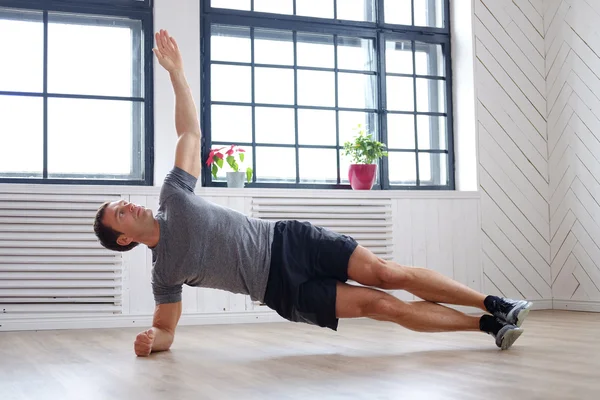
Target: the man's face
(132, 220)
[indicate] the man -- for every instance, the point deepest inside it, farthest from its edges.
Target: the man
(295, 268)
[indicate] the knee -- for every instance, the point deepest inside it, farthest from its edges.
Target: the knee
(392, 276)
(382, 307)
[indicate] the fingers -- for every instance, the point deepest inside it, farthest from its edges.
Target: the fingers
(158, 40)
(142, 350)
(143, 343)
(165, 42)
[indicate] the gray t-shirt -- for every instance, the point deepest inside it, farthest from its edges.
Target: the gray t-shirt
(207, 245)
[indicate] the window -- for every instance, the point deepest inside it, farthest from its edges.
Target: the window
(290, 81)
(75, 93)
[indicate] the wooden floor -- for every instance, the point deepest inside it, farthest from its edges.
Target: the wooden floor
(558, 357)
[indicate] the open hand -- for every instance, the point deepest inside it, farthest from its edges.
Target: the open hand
(167, 52)
(143, 343)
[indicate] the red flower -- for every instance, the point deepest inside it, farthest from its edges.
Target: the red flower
(214, 153)
(230, 151)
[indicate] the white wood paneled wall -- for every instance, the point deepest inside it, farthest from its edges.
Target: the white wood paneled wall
(513, 155)
(573, 87)
(538, 110)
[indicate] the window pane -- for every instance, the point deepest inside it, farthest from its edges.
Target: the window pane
(104, 146)
(94, 55)
(432, 132)
(357, 90)
(431, 95)
(315, 8)
(230, 43)
(275, 125)
(25, 71)
(318, 165)
(349, 121)
(275, 164)
(398, 56)
(356, 54)
(315, 50)
(433, 169)
(429, 59)
(356, 10)
(230, 83)
(400, 94)
(274, 6)
(398, 12)
(222, 172)
(273, 47)
(231, 124)
(274, 86)
(402, 168)
(231, 4)
(21, 136)
(316, 88)
(316, 127)
(429, 13)
(401, 131)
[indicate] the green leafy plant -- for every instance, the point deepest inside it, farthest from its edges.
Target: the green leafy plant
(364, 149)
(234, 156)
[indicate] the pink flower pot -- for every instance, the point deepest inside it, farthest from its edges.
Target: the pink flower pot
(362, 176)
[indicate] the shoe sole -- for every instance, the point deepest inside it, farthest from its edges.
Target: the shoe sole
(510, 337)
(523, 314)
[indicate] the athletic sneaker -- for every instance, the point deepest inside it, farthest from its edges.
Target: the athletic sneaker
(504, 333)
(512, 311)
(507, 336)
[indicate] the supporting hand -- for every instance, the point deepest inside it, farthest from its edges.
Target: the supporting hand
(143, 343)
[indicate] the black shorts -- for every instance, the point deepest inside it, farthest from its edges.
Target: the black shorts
(307, 261)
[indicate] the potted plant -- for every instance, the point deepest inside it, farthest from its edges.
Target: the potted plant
(234, 156)
(364, 150)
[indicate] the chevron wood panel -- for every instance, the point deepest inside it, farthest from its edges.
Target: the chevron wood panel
(572, 43)
(512, 109)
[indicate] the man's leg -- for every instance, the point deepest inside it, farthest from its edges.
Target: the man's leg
(367, 269)
(421, 316)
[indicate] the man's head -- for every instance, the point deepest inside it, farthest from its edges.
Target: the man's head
(120, 225)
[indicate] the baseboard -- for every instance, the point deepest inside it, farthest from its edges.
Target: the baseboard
(573, 305)
(542, 304)
(129, 321)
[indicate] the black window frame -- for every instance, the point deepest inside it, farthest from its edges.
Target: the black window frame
(140, 10)
(379, 32)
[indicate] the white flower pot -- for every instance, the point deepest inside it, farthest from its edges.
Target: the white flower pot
(236, 179)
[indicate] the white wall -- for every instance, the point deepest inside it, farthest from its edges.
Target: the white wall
(463, 95)
(513, 160)
(573, 70)
(182, 21)
(538, 113)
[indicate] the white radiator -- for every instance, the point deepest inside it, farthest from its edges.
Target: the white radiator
(50, 260)
(367, 220)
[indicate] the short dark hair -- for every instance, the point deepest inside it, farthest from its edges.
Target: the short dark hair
(106, 235)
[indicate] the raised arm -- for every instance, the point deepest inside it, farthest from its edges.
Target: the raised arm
(187, 152)
(160, 337)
